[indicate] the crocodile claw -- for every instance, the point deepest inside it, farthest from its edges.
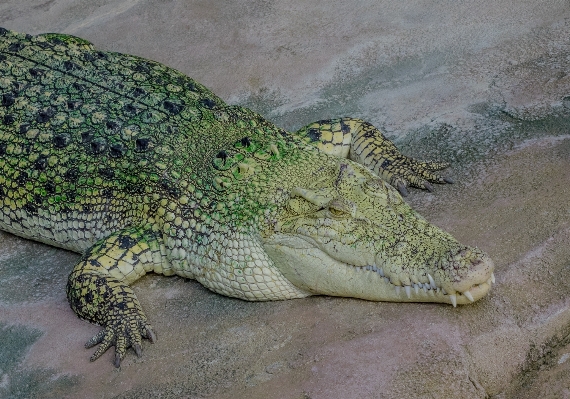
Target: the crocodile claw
(428, 187)
(122, 333)
(138, 350)
(402, 189)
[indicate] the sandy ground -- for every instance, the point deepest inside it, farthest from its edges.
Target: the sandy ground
(482, 84)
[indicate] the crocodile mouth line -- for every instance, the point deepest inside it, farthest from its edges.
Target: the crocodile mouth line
(311, 268)
(429, 290)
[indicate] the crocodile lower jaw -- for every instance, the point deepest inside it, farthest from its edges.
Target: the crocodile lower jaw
(312, 270)
(428, 292)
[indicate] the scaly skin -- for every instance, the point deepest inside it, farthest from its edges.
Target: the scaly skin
(141, 169)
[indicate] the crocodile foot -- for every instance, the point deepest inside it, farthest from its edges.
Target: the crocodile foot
(124, 332)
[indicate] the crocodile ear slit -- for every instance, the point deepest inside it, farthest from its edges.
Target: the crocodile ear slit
(321, 198)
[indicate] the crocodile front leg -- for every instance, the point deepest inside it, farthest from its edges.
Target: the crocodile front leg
(98, 290)
(362, 142)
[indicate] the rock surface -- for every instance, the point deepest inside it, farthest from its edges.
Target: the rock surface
(482, 84)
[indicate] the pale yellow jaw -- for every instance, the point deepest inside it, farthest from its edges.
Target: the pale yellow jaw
(313, 271)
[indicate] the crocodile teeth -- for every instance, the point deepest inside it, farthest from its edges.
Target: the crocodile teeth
(453, 299)
(493, 278)
(428, 288)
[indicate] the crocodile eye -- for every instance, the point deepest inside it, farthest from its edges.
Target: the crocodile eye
(341, 208)
(337, 213)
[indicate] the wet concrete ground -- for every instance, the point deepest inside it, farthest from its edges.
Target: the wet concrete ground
(484, 85)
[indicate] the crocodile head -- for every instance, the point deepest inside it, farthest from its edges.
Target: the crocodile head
(347, 233)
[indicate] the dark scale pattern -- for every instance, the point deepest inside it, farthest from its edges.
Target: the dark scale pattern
(147, 170)
(97, 290)
(94, 142)
(363, 142)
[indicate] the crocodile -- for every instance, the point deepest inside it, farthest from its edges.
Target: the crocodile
(141, 169)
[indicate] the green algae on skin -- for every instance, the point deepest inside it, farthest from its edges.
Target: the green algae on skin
(142, 169)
